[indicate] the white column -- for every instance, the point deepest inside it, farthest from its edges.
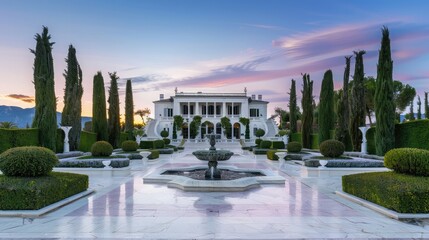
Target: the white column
(66, 130)
(189, 111)
(232, 108)
(214, 109)
(223, 109)
(207, 109)
(197, 111)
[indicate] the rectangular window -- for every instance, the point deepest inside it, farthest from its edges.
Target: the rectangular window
(203, 111)
(229, 110)
(169, 112)
(217, 109)
(185, 109)
(192, 109)
(254, 112)
(236, 110)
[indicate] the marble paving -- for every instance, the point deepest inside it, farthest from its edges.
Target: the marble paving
(124, 207)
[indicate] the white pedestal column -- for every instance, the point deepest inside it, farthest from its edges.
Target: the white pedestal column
(364, 142)
(66, 130)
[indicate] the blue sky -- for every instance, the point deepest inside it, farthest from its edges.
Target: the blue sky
(210, 46)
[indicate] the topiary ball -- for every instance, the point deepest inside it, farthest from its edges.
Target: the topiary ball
(164, 133)
(27, 161)
(408, 160)
(294, 147)
(331, 148)
(167, 141)
(101, 149)
(129, 146)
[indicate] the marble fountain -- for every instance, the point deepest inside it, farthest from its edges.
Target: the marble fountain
(213, 178)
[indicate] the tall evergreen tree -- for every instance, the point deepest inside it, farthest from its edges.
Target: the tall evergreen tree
(99, 119)
(292, 107)
(384, 98)
(412, 110)
(113, 123)
(343, 115)
(129, 110)
(419, 108)
(45, 118)
(426, 105)
(326, 107)
(71, 115)
(307, 110)
(357, 100)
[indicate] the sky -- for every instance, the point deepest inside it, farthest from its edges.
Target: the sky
(209, 46)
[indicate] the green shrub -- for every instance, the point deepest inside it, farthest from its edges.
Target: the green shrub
(27, 161)
(399, 192)
(165, 151)
(124, 136)
(278, 145)
(332, 148)
(60, 141)
(260, 132)
(370, 143)
(294, 147)
(10, 138)
(154, 154)
(258, 142)
(166, 141)
(260, 151)
(129, 146)
(405, 134)
(101, 149)
(171, 146)
(314, 141)
(93, 163)
(408, 160)
(158, 144)
(164, 133)
(146, 144)
(283, 132)
(265, 144)
(271, 154)
(296, 137)
(32, 193)
(86, 141)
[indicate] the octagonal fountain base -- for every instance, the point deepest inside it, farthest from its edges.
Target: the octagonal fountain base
(238, 185)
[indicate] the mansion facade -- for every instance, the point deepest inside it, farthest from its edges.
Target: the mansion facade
(211, 107)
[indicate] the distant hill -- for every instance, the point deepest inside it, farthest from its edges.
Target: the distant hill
(23, 116)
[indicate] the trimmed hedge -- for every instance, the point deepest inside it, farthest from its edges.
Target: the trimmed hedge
(101, 149)
(32, 193)
(278, 145)
(296, 137)
(146, 144)
(399, 192)
(370, 140)
(345, 163)
(129, 146)
(332, 148)
(10, 138)
(165, 151)
(154, 154)
(265, 144)
(408, 160)
(123, 137)
(158, 144)
(93, 163)
(167, 141)
(86, 141)
(314, 141)
(27, 161)
(260, 151)
(294, 147)
(258, 142)
(412, 134)
(271, 154)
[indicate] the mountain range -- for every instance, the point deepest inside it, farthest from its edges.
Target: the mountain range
(24, 116)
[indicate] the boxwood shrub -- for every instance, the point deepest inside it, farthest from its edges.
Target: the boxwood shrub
(129, 146)
(400, 192)
(154, 154)
(86, 141)
(408, 160)
(146, 144)
(294, 147)
(93, 163)
(258, 142)
(32, 193)
(158, 144)
(10, 138)
(165, 151)
(101, 149)
(27, 161)
(332, 148)
(278, 145)
(265, 144)
(271, 154)
(260, 151)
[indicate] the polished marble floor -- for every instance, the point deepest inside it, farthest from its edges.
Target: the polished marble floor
(125, 207)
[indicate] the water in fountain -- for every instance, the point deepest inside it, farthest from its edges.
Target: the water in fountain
(213, 156)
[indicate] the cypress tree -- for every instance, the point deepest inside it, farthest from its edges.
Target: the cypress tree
(357, 100)
(45, 118)
(307, 111)
(99, 119)
(412, 110)
(343, 115)
(292, 107)
(384, 98)
(71, 115)
(326, 107)
(419, 108)
(426, 106)
(129, 110)
(113, 123)
(174, 130)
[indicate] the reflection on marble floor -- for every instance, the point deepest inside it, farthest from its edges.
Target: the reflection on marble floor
(125, 207)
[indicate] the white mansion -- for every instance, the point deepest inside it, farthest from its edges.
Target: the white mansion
(211, 107)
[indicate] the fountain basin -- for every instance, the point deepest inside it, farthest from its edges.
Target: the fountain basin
(221, 155)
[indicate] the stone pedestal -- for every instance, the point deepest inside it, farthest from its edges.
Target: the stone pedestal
(364, 142)
(66, 130)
